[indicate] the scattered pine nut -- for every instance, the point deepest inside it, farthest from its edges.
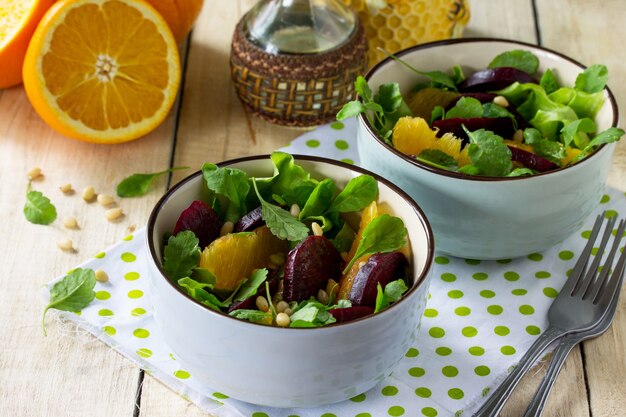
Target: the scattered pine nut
(101, 276)
(105, 199)
(34, 173)
(317, 229)
(89, 194)
(70, 222)
(501, 101)
(262, 304)
(282, 320)
(227, 228)
(114, 213)
(322, 296)
(66, 188)
(294, 210)
(518, 136)
(281, 306)
(131, 228)
(65, 245)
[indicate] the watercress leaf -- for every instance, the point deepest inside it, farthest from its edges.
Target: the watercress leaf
(522, 60)
(469, 170)
(518, 172)
(488, 153)
(38, 208)
(72, 293)
(344, 238)
(551, 150)
(457, 74)
(311, 313)
(280, 222)
(532, 135)
(466, 107)
(343, 303)
(252, 284)
(383, 234)
(320, 199)
(199, 291)
(181, 255)
(389, 97)
(382, 302)
(494, 111)
(287, 174)
(203, 275)
(255, 316)
(548, 82)
(350, 109)
(356, 195)
(437, 78)
(571, 132)
(138, 184)
(375, 107)
(299, 194)
(593, 79)
(306, 313)
(439, 159)
(395, 289)
(231, 184)
(363, 89)
(612, 134)
(437, 113)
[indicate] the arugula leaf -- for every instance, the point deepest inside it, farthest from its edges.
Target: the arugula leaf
(383, 234)
(255, 316)
(252, 284)
(612, 134)
(73, 293)
(518, 172)
(231, 184)
(488, 153)
(363, 89)
(522, 60)
(320, 199)
(466, 107)
(593, 79)
(280, 222)
(438, 113)
(356, 195)
(38, 208)
(311, 313)
(197, 291)
(290, 180)
(576, 132)
(138, 184)
(548, 82)
(351, 109)
(393, 292)
(457, 74)
(439, 159)
(181, 255)
(494, 111)
(344, 238)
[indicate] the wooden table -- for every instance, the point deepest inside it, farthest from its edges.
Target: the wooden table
(75, 375)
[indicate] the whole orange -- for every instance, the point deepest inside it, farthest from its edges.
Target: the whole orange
(18, 20)
(180, 15)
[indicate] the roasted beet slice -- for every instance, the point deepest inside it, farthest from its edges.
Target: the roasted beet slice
(202, 220)
(502, 126)
(308, 268)
(350, 313)
(532, 161)
(494, 79)
(380, 268)
(250, 221)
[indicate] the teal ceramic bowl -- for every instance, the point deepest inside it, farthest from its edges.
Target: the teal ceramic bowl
(483, 217)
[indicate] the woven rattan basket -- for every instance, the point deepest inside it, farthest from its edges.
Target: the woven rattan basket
(296, 90)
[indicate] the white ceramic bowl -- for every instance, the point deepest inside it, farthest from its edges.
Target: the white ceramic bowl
(489, 218)
(286, 367)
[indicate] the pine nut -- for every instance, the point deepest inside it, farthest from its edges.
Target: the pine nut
(89, 194)
(114, 213)
(322, 296)
(277, 259)
(105, 199)
(262, 304)
(282, 320)
(501, 101)
(66, 188)
(294, 210)
(101, 276)
(70, 222)
(518, 136)
(227, 228)
(65, 245)
(317, 229)
(34, 173)
(281, 306)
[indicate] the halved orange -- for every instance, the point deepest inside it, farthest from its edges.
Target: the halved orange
(18, 20)
(104, 71)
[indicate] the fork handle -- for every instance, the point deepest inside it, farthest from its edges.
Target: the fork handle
(535, 409)
(492, 407)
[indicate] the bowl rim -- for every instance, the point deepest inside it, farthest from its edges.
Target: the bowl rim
(479, 178)
(419, 281)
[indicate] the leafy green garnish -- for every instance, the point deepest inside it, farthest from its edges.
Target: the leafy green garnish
(518, 172)
(251, 285)
(38, 208)
(457, 75)
(383, 234)
(610, 135)
(439, 159)
(437, 78)
(198, 291)
(466, 107)
(356, 195)
(551, 150)
(393, 292)
(548, 82)
(311, 313)
(181, 255)
(344, 238)
(255, 316)
(576, 132)
(522, 60)
(73, 293)
(231, 184)
(280, 222)
(320, 199)
(593, 79)
(138, 184)
(488, 153)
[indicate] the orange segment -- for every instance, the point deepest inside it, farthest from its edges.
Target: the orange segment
(103, 71)
(233, 257)
(18, 20)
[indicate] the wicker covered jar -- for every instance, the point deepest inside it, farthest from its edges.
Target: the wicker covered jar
(291, 88)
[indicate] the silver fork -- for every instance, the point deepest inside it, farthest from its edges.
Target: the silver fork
(575, 309)
(537, 404)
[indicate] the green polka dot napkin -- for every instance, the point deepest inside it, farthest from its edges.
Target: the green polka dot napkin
(480, 319)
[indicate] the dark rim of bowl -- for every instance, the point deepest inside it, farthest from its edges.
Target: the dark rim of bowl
(416, 208)
(468, 177)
